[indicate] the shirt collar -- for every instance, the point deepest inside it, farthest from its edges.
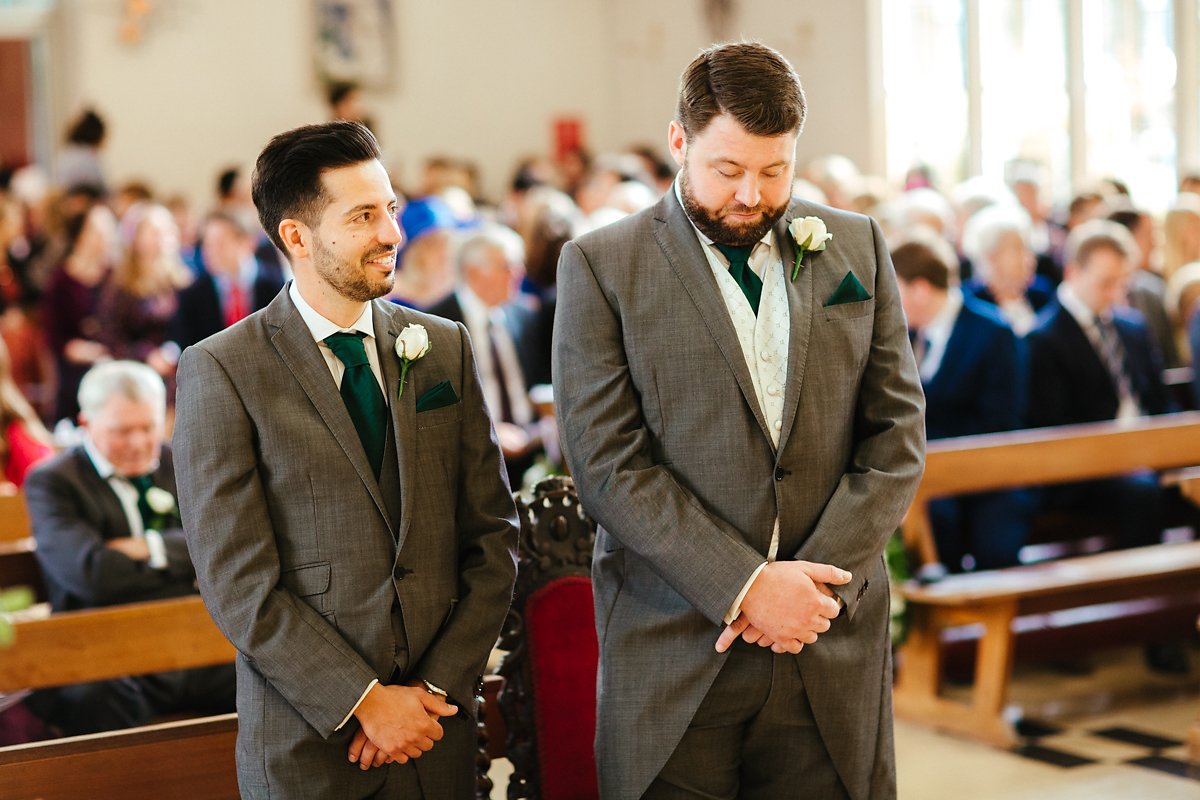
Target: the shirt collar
(320, 327)
(1075, 306)
(768, 238)
(104, 467)
(940, 326)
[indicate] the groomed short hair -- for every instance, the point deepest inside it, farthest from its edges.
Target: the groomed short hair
(287, 177)
(747, 80)
(928, 257)
(1099, 234)
(129, 379)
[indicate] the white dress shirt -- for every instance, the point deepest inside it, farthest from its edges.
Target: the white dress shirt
(322, 328)
(127, 494)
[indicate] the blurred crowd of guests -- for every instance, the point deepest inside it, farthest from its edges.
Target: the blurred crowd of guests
(1022, 314)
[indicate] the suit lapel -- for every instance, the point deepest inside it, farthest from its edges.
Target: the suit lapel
(107, 502)
(299, 352)
(677, 238)
(389, 321)
(800, 311)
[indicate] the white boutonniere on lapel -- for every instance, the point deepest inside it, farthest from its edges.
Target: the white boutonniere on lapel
(165, 512)
(810, 234)
(160, 501)
(411, 344)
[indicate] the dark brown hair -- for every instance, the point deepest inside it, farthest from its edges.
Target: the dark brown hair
(747, 80)
(918, 260)
(287, 177)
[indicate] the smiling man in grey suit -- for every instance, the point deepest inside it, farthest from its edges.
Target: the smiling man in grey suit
(344, 499)
(745, 424)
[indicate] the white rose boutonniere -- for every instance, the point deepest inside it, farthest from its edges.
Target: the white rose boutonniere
(411, 344)
(160, 501)
(810, 233)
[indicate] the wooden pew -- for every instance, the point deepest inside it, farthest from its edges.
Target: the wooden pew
(102, 643)
(19, 567)
(192, 759)
(14, 518)
(98, 644)
(994, 599)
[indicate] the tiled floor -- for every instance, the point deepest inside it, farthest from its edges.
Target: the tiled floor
(1116, 732)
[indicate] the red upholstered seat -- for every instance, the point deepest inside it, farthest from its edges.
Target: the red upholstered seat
(563, 653)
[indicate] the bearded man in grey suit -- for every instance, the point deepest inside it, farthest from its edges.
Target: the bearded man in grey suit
(742, 414)
(358, 550)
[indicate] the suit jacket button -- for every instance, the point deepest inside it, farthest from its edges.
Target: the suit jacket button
(779, 473)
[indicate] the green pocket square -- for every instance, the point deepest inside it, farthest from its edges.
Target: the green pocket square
(439, 396)
(848, 291)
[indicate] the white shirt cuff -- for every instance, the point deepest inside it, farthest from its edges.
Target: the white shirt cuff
(736, 608)
(361, 697)
(158, 550)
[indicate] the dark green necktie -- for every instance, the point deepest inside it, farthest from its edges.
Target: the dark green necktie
(143, 483)
(360, 393)
(739, 269)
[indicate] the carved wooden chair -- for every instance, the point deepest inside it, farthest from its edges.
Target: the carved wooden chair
(549, 696)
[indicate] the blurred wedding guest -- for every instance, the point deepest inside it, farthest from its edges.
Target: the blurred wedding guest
(657, 166)
(1093, 359)
(188, 227)
(127, 203)
(1182, 301)
(490, 268)
(108, 532)
(1181, 234)
(974, 374)
(23, 440)
(231, 285)
(1027, 180)
(233, 197)
(834, 175)
(1147, 289)
(996, 240)
(346, 102)
(79, 159)
(1189, 182)
(425, 263)
(71, 304)
(139, 302)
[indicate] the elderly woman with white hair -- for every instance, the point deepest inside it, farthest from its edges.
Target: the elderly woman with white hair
(996, 240)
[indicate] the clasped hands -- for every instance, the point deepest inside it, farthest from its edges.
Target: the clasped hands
(397, 723)
(788, 606)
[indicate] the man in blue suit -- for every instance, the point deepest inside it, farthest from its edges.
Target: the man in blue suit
(973, 372)
(1093, 359)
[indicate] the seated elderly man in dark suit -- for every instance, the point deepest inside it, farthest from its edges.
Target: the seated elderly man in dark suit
(1093, 359)
(108, 532)
(973, 371)
(491, 264)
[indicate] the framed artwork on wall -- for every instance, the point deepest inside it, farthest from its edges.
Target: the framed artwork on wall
(355, 42)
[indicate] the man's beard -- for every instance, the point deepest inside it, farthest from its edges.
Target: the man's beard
(348, 281)
(714, 227)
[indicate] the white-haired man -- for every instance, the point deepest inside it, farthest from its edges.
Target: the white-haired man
(108, 532)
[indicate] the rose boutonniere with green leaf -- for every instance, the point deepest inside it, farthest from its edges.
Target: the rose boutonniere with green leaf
(411, 344)
(810, 235)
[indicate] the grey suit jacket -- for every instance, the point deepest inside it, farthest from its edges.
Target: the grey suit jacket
(303, 565)
(74, 514)
(667, 444)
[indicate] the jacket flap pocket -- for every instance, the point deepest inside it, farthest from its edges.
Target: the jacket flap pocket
(307, 580)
